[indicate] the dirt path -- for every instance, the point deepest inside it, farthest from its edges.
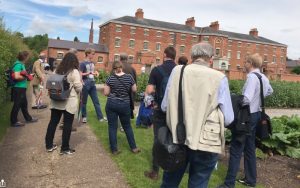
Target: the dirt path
(25, 163)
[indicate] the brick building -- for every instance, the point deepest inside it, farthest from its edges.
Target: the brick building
(144, 41)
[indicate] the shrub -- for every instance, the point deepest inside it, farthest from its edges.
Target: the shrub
(142, 82)
(103, 75)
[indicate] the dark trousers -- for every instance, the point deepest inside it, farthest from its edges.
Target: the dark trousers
(201, 165)
(67, 128)
(158, 120)
(20, 101)
(115, 109)
(248, 148)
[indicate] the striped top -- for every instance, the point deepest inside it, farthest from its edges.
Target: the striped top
(119, 86)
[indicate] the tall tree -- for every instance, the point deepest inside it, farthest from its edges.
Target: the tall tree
(76, 39)
(58, 38)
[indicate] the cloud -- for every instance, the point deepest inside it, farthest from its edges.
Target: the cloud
(79, 11)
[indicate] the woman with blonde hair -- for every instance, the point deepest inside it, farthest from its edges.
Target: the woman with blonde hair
(117, 89)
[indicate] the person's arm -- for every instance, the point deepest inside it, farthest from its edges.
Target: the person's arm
(77, 84)
(164, 103)
(249, 89)
(82, 69)
(150, 89)
(37, 67)
(224, 101)
(17, 73)
(133, 84)
(133, 88)
(269, 89)
(106, 90)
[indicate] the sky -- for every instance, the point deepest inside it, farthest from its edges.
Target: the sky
(277, 20)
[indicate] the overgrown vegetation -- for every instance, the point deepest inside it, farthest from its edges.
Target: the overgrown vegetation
(296, 70)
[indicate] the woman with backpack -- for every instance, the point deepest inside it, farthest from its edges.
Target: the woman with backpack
(69, 67)
(117, 88)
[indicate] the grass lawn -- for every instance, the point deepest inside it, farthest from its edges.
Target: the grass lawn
(134, 165)
(4, 118)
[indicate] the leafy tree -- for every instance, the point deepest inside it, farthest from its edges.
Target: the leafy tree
(58, 38)
(296, 70)
(76, 39)
(37, 43)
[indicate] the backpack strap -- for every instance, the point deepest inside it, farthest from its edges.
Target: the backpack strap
(162, 71)
(261, 92)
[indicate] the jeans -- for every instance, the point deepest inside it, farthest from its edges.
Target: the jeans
(248, 148)
(67, 128)
(89, 88)
(116, 108)
(20, 101)
(201, 165)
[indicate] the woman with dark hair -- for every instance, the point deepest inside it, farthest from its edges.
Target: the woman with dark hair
(68, 66)
(183, 60)
(117, 89)
(19, 91)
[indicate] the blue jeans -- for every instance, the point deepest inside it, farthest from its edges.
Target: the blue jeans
(201, 166)
(248, 148)
(117, 108)
(89, 88)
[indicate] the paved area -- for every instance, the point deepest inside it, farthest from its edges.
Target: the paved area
(280, 112)
(25, 163)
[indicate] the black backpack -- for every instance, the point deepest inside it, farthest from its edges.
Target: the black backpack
(161, 90)
(58, 87)
(10, 82)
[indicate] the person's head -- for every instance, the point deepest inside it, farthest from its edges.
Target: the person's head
(170, 53)
(202, 50)
(117, 67)
(89, 53)
(68, 63)
(123, 57)
(73, 50)
(253, 61)
(42, 56)
(183, 60)
(23, 56)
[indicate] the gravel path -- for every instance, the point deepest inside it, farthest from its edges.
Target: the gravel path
(280, 112)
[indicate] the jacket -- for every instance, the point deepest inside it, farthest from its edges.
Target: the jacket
(38, 72)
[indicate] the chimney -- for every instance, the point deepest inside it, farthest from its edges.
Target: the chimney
(139, 14)
(214, 25)
(190, 22)
(253, 32)
(91, 37)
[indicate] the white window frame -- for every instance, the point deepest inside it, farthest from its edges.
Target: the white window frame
(171, 44)
(183, 36)
(132, 57)
(281, 59)
(266, 55)
(132, 29)
(229, 42)
(119, 42)
(274, 49)
(172, 35)
(205, 38)
(195, 38)
(239, 44)
(115, 57)
(180, 49)
(274, 59)
(219, 52)
(98, 59)
(133, 43)
(158, 33)
(229, 54)
(158, 43)
(120, 27)
(145, 41)
(248, 45)
(157, 60)
(146, 32)
(58, 54)
(238, 55)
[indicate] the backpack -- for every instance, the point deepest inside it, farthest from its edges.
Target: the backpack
(58, 87)
(161, 91)
(10, 81)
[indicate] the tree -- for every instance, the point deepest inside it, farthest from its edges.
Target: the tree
(296, 70)
(76, 39)
(58, 38)
(37, 43)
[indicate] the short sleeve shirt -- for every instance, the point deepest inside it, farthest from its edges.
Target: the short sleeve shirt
(18, 67)
(85, 67)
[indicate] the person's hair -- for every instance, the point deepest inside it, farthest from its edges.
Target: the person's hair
(42, 56)
(23, 55)
(89, 51)
(68, 63)
(73, 50)
(183, 60)
(255, 60)
(170, 52)
(124, 57)
(202, 50)
(117, 66)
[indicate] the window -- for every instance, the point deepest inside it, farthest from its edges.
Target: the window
(265, 58)
(205, 38)
(238, 55)
(146, 32)
(132, 30)
(118, 28)
(223, 66)
(218, 52)
(282, 50)
(274, 59)
(60, 55)
(171, 44)
(172, 35)
(146, 45)
(182, 49)
(117, 42)
(130, 58)
(100, 59)
(195, 39)
(116, 57)
(157, 48)
(218, 41)
(239, 44)
(257, 47)
(131, 43)
(266, 48)
(158, 34)
(274, 49)
(229, 42)
(248, 45)
(183, 36)
(229, 54)
(157, 60)
(281, 59)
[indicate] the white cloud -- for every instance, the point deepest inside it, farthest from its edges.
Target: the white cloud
(79, 11)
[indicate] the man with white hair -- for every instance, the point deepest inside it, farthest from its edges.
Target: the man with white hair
(207, 110)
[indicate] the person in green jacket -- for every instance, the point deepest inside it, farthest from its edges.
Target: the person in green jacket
(19, 91)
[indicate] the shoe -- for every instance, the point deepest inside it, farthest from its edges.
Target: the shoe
(151, 175)
(33, 120)
(61, 127)
(244, 182)
(84, 120)
(54, 147)
(42, 106)
(67, 152)
(136, 150)
(121, 129)
(104, 119)
(117, 152)
(17, 124)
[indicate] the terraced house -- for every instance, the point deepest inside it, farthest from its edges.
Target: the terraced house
(144, 41)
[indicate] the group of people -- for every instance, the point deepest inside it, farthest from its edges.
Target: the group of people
(207, 109)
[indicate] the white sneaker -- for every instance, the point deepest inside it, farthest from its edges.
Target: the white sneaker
(104, 119)
(84, 120)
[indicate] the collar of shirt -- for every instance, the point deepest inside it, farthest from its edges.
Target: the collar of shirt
(255, 70)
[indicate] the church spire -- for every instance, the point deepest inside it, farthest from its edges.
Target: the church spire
(91, 37)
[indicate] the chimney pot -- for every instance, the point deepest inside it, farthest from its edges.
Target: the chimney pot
(139, 14)
(190, 22)
(253, 32)
(214, 25)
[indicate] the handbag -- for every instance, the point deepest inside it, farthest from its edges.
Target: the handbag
(170, 156)
(264, 127)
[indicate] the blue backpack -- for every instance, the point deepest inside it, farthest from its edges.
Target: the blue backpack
(160, 92)
(10, 82)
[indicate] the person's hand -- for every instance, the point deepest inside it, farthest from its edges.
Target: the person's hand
(23, 73)
(29, 77)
